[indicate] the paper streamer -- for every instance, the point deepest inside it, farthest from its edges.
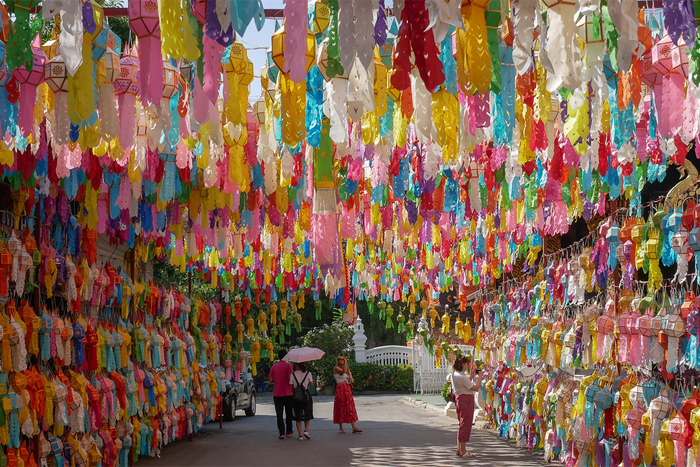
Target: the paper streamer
(623, 14)
(524, 25)
(563, 48)
(295, 26)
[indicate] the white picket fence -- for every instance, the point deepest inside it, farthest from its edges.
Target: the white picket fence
(428, 378)
(390, 355)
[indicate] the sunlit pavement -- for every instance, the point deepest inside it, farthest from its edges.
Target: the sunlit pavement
(395, 433)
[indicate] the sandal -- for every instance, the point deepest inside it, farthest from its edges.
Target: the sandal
(306, 435)
(342, 431)
(356, 430)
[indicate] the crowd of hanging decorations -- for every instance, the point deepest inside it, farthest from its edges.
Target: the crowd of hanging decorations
(106, 370)
(389, 158)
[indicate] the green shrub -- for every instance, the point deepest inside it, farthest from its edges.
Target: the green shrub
(334, 339)
(373, 377)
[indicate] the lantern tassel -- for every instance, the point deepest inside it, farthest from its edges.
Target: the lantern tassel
(127, 120)
(672, 354)
(151, 69)
(61, 129)
(27, 99)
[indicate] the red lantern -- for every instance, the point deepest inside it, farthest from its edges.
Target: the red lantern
(28, 82)
(144, 22)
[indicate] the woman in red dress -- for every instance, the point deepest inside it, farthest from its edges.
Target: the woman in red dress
(343, 404)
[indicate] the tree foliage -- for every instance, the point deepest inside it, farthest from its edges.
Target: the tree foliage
(166, 275)
(375, 327)
(334, 339)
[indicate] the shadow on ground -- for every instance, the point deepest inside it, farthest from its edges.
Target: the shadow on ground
(395, 434)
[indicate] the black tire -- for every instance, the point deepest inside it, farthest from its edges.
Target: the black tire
(250, 411)
(230, 410)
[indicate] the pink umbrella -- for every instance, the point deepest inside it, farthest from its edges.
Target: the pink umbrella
(304, 354)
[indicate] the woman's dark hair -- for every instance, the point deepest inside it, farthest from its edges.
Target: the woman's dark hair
(282, 354)
(458, 363)
(302, 367)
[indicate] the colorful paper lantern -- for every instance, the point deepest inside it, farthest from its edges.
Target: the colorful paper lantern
(144, 22)
(28, 81)
(279, 47)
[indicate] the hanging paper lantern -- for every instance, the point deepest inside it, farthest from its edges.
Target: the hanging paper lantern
(259, 111)
(108, 70)
(674, 328)
(144, 22)
(321, 17)
(679, 243)
(56, 76)
(127, 86)
(29, 80)
(279, 47)
(170, 80)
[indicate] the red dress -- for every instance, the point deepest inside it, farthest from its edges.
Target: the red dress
(343, 404)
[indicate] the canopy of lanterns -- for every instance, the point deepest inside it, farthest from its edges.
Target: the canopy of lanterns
(432, 148)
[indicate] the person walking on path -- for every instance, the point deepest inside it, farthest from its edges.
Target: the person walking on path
(464, 388)
(280, 374)
(303, 409)
(343, 403)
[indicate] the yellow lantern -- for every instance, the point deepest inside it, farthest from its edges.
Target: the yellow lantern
(259, 111)
(321, 17)
(237, 59)
(278, 48)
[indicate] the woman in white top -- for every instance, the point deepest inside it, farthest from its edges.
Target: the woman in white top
(303, 411)
(464, 388)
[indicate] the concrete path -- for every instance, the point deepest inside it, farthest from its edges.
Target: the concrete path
(395, 434)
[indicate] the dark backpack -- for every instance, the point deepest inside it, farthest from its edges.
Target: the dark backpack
(301, 394)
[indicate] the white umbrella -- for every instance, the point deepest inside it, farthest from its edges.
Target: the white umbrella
(304, 354)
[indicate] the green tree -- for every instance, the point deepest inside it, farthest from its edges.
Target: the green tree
(166, 275)
(334, 339)
(375, 326)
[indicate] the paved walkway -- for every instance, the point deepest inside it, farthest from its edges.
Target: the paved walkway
(396, 433)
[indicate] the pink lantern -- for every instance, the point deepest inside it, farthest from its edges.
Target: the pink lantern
(662, 54)
(606, 328)
(623, 322)
(674, 328)
(127, 81)
(127, 87)
(28, 82)
(671, 63)
(144, 22)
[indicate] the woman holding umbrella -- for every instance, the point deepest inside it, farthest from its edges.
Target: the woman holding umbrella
(303, 407)
(300, 380)
(343, 404)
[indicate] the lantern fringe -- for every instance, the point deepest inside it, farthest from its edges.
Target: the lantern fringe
(109, 115)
